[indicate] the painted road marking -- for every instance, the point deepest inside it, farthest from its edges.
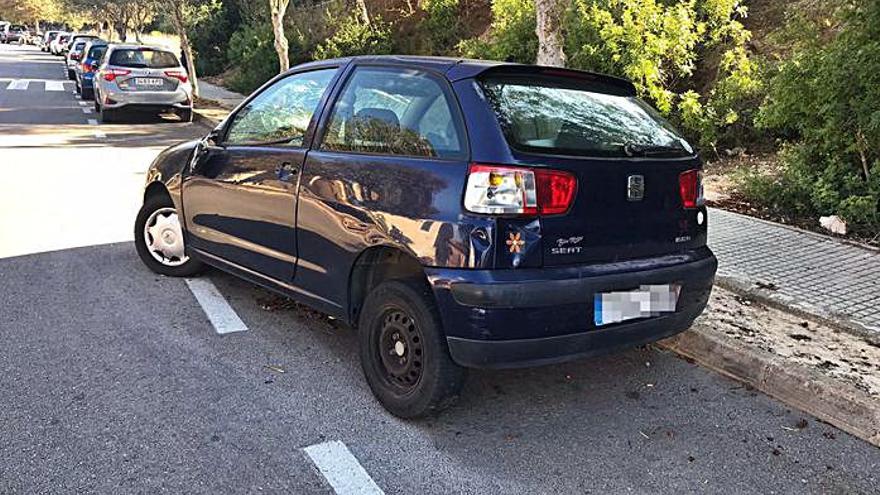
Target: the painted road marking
(86, 110)
(98, 134)
(54, 86)
(18, 85)
(341, 469)
(221, 314)
(83, 103)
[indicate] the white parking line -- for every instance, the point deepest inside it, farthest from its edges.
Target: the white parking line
(86, 110)
(221, 314)
(54, 86)
(84, 103)
(341, 469)
(19, 85)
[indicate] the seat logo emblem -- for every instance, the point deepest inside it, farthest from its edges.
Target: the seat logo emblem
(635, 187)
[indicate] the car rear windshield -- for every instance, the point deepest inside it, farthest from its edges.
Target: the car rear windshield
(143, 58)
(561, 115)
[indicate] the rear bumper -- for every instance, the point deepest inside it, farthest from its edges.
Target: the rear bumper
(512, 318)
(148, 99)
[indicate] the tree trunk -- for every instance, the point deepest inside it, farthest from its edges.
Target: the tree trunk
(277, 9)
(180, 26)
(365, 15)
(549, 31)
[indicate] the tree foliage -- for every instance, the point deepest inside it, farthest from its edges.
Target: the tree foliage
(356, 37)
(825, 101)
(656, 44)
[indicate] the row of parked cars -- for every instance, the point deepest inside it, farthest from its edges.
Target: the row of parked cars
(16, 33)
(123, 78)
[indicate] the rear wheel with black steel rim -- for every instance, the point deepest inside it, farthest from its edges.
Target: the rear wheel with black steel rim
(159, 241)
(403, 350)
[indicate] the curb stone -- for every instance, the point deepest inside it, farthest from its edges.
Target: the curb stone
(837, 403)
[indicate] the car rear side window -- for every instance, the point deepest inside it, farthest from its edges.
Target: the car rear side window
(143, 58)
(395, 112)
(564, 116)
(97, 52)
(281, 113)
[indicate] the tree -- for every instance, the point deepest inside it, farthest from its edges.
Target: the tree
(182, 13)
(142, 12)
(365, 14)
(277, 10)
(548, 14)
(30, 11)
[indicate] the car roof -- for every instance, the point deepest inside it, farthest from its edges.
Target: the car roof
(456, 69)
(134, 46)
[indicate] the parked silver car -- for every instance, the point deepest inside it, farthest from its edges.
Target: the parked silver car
(74, 56)
(56, 46)
(47, 39)
(141, 78)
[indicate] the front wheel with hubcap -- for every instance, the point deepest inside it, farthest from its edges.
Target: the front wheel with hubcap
(158, 238)
(403, 350)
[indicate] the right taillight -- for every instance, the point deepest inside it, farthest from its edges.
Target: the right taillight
(690, 187)
(500, 190)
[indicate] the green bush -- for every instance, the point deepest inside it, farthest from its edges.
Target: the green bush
(354, 37)
(253, 58)
(513, 35)
(210, 38)
(825, 100)
(442, 24)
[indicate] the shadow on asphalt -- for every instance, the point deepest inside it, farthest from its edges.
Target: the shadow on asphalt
(147, 131)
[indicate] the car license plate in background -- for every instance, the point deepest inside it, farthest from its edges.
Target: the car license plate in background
(148, 81)
(647, 300)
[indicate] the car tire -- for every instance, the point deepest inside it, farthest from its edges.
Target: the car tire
(186, 115)
(87, 94)
(155, 209)
(403, 350)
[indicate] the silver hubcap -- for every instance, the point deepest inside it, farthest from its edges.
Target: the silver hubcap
(164, 237)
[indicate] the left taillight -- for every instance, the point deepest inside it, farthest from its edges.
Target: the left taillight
(501, 190)
(110, 75)
(690, 187)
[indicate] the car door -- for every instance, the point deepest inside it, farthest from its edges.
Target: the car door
(240, 195)
(387, 168)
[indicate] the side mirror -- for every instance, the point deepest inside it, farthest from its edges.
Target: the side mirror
(212, 140)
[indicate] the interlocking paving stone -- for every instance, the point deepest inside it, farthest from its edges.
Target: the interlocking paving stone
(811, 270)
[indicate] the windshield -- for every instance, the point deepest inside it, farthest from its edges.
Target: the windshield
(144, 58)
(555, 115)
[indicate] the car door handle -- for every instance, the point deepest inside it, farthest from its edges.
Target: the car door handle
(286, 170)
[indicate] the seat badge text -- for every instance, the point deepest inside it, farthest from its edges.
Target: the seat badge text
(567, 245)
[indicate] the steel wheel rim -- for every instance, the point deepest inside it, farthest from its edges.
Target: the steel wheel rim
(164, 237)
(400, 350)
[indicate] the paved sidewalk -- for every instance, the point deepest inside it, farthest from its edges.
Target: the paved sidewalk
(223, 96)
(811, 272)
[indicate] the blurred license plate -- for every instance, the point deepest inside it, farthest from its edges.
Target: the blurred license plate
(646, 301)
(148, 81)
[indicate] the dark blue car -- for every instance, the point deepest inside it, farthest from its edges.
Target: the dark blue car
(92, 54)
(456, 213)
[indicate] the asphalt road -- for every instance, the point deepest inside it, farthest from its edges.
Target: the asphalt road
(113, 380)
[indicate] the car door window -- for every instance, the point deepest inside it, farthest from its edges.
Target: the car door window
(281, 114)
(395, 112)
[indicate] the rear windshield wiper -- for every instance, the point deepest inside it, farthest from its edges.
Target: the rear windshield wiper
(635, 149)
